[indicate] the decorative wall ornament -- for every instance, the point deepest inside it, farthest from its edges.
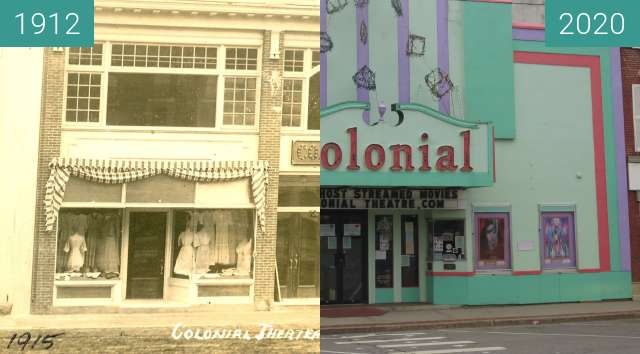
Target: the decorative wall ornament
(334, 6)
(416, 45)
(365, 78)
(364, 32)
(361, 3)
(397, 6)
(274, 79)
(326, 44)
(439, 83)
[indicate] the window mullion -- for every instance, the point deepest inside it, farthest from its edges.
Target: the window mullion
(104, 83)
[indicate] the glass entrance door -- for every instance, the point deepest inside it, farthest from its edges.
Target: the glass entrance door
(147, 234)
(343, 247)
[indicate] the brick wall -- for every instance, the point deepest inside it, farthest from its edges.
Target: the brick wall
(631, 76)
(269, 149)
(44, 250)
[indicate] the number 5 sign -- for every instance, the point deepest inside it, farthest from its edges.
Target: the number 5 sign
(592, 23)
(46, 23)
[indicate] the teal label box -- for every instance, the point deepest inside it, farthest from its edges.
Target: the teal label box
(46, 23)
(592, 23)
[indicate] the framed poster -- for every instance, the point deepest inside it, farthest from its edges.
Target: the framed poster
(557, 233)
(492, 241)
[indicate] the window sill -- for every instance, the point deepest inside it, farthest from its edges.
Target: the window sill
(157, 130)
(560, 271)
(86, 283)
(300, 132)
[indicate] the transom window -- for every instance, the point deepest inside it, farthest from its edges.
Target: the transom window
(161, 85)
(301, 89)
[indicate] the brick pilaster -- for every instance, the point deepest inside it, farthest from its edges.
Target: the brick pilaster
(44, 250)
(269, 149)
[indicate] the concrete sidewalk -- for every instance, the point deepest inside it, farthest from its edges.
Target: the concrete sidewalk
(307, 317)
(401, 317)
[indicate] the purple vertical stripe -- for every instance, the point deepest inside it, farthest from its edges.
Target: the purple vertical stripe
(362, 16)
(621, 163)
(524, 34)
(323, 57)
(404, 85)
(443, 49)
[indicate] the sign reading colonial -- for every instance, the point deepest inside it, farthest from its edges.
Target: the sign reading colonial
(381, 198)
(422, 147)
(305, 153)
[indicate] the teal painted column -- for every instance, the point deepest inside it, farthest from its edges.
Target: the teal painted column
(488, 66)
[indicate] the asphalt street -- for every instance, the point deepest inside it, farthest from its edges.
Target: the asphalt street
(598, 337)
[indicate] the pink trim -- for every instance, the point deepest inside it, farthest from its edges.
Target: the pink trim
(528, 25)
(589, 270)
(526, 272)
(452, 274)
(592, 63)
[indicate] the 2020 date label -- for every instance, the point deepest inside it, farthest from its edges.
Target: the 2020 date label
(46, 23)
(592, 23)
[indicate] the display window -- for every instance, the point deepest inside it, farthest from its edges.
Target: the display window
(212, 243)
(384, 251)
(558, 240)
(89, 244)
(448, 242)
(492, 241)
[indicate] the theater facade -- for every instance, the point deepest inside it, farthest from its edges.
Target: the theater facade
(464, 162)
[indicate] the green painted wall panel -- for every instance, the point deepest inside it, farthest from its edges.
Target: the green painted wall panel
(488, 66)
(423, 22)
(342, 59)
(410, 294)
(384, 296)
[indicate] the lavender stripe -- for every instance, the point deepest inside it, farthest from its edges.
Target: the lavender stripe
(404, 86)
(528, 34)
(621, 163)
(323, 57)
(443, 49)
(362, 15)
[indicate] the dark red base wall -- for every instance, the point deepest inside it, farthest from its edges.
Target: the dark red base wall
(631, 76)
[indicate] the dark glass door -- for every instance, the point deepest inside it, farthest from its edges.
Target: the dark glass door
(298, 255)
(147, 233)
(343, 257)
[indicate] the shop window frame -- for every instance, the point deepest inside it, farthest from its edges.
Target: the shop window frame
(311, 67)
(499, 213)
(556, 209)
(106, 67)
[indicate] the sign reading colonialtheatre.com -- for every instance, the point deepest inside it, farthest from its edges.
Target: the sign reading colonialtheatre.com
(382, 198)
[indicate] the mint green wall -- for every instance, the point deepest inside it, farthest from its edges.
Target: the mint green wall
(554, 144)
(383, 53)
(545, 288)
(384, 296)
(341, 60)
(488, 66)
(423, 22)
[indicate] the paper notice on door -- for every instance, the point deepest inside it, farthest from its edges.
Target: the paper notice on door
(352, 229)
(332, 243)
(406, 260)
(346, 243)
(408, 245)
(381, 255)
(327, 230)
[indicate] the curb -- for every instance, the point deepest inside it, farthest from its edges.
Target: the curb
(478, 322)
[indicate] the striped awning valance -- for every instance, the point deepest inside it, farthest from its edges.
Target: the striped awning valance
(123, 171)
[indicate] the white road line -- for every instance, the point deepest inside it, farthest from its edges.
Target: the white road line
(329, 351)
(423, 344)
(388, 340)
(448, 351)
(547, 334)
(353, 337)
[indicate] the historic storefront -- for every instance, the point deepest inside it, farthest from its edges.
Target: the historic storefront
(178, 161)
(450, 176)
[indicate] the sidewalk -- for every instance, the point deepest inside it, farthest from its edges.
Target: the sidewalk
(402, 317)
(227, 316)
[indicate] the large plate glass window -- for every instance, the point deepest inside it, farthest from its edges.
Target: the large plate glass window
(558, 240)
(212, 244)
(89, 244)
(493, 243)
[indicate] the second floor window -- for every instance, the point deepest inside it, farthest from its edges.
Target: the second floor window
(301, 89)
(140, 85)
